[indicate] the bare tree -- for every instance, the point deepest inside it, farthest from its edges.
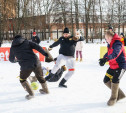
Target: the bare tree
(88, 4)
(76, 14)
(100, 19)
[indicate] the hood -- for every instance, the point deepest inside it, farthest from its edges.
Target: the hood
(18, 41)
(115, 37)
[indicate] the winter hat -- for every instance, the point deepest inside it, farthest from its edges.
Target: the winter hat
(17, 36)
(122, 34)
(34, 33)
(110, 27)
(66, 30)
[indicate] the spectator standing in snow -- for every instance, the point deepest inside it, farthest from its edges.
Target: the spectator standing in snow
(122, 38)
(35, 38)
(66, 55)
(79, 47)
(110, 28)
(21, 52)
(116, 57)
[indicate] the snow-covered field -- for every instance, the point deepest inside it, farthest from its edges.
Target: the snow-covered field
(86, 92)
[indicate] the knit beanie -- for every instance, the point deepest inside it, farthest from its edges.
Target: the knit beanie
(122, 34)
(34, 33)
(66, 30)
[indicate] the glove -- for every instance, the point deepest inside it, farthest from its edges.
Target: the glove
(75, 38)
(47, 58)
(49, 49)
(102, 61)
(46, 55)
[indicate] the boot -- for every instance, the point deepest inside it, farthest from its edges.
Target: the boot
(64, 68)
(44, 89)
(121, 95)
(61, 84)
(27, 87)
(81, 60)
(114, 94)
(76, 59)
(108, 84)
(32, 79)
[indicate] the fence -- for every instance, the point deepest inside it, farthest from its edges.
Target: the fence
(42, 35)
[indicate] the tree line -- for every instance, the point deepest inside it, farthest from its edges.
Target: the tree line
(17, 16)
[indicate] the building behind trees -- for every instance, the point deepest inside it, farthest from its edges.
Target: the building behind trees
(48, 18)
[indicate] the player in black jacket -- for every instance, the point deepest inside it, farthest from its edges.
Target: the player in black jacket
(21, 52)
(66, 55)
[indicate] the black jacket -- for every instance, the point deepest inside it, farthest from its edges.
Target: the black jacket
(67, 45)
(22, 50)
(36, 39)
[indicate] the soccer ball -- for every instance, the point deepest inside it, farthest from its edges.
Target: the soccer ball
(34, 85)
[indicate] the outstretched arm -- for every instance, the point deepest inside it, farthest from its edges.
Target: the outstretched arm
(12, 56)
(106, 54)
(55, 43)
(77, 38)
(38, 48)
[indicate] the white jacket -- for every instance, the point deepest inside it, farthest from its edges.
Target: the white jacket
(79, 46)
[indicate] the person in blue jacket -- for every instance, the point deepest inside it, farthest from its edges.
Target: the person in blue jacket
(116, 57)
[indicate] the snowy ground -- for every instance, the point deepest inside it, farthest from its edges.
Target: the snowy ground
(86, 92)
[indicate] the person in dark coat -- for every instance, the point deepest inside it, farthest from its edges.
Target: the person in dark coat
(35, 38)
(123, 40)
(66, 55)
(21, 51)
(116, 57)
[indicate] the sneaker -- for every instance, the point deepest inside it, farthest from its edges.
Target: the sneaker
(28, 97)
(62, 85)
(76, 59)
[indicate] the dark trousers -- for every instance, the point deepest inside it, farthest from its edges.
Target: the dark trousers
(113, 75)
(24, 74)
(55, 77)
